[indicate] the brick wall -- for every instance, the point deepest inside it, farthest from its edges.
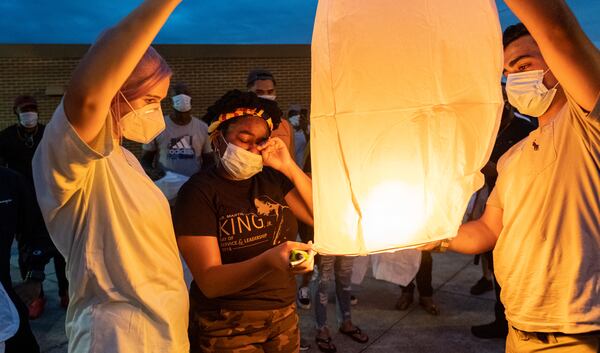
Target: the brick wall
(209, 71)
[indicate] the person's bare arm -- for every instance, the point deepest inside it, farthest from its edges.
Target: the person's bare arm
(569, 53)
(477, 236)
(108, 64)
(201, 253)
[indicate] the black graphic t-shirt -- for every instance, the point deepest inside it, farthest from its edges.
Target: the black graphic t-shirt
(247, 217)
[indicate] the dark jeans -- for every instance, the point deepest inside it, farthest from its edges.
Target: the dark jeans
(423, 277)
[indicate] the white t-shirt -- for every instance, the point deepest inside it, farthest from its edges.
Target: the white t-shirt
(547, 258)
(180, 147)
(113, 225)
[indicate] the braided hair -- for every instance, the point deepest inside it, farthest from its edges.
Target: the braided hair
(236, 99)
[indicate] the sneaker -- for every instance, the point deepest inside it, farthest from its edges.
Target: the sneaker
(64, 301)
(494, 329)
(482, 286)
(304, 298)
(353, 300)
(36, 308)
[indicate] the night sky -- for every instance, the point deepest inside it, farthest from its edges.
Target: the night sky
(196, 21)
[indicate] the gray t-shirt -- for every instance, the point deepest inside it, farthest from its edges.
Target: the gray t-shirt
(180, 147)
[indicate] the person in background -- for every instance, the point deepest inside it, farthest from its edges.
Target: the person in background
(262, 82)
(340, 269)
(17, 206)
(17, 146)
(183, 147)
(299, 122)
(423, 279)
(236, 225)
(541, 218)
(102, 211)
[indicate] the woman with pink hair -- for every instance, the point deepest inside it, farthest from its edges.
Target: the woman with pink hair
(108, 219)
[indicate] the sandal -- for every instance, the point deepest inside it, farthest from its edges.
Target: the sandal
(325, 344)
(356, 334)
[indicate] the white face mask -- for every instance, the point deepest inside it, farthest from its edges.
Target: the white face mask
(526, 92)
(144, 124)
(270, 97)
(294, 120)
(239, 163)
(182, 103)
(28, 119)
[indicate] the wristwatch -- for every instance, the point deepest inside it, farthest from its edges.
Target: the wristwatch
(443, 246)
(35, 275)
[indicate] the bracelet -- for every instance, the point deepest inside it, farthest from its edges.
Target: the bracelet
(443, 246)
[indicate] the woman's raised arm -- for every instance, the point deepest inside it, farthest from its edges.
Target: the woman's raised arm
(108, 64)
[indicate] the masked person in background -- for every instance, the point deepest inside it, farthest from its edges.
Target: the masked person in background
(17, 146)
(541, 218)
(183, 147)
(103, 212)
(235, 226)
(301, 128)
(262, 82)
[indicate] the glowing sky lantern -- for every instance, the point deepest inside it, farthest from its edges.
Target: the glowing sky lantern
(406, 103)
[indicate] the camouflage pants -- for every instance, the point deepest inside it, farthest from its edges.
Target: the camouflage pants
(248, 331)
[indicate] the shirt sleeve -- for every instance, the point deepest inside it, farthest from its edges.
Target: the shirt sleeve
(62, 161)
(585, 124)
(194, 213)
(207, 148)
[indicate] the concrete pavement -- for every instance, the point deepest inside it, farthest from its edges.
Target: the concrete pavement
(389, 330)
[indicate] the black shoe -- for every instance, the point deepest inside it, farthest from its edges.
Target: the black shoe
(482, 286)
(406, 298)
(494, 329)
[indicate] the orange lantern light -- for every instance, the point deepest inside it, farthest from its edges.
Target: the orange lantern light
(406, 103)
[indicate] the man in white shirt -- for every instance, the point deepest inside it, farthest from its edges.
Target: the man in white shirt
(542, 216)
